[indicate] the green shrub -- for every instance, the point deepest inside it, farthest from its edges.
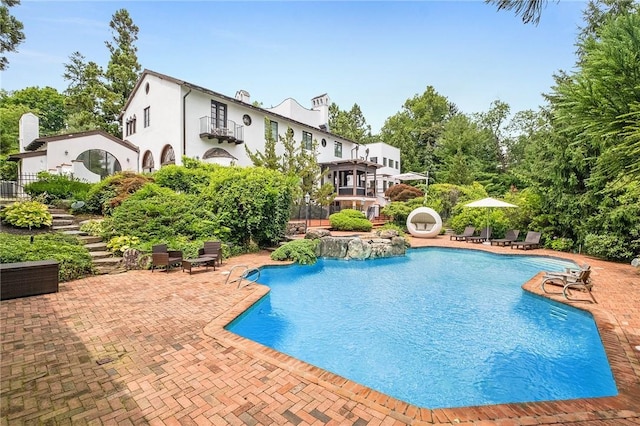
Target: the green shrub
(27, 214)
(159, 214)
(113, 190)
(608, 246)
(57, 187)
(561, 244)
(392, 226)
(301, 251)
(92, 227)
(122, 243)
(350, 220)
(183, 179)
(74, 258)
(252, 202)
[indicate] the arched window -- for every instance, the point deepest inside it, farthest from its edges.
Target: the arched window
(168, 156)
(147, 162)
(100, 162)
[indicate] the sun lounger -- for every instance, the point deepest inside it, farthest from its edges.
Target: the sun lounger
(510, 237)
(468, 232)
(532, 241)
(485, 234)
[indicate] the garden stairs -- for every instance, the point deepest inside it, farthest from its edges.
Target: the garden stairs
(103, 260)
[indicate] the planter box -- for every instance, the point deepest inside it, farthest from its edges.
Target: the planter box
(28, 278)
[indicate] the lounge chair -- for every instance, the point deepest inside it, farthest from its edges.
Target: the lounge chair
(468, 232)
(485, 234)
(213, 249)
(162, 257)
(570, 280)
(530, 242)
(510, 237)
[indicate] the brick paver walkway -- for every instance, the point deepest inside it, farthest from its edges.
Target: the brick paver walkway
(149, 348)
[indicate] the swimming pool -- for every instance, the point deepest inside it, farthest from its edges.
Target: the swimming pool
(404, 327)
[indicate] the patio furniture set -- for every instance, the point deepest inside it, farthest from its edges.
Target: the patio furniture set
(209, 255)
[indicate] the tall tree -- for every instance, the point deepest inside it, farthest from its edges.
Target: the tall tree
(495, 121)
(349, 124)
(123, 69)
(47, 103)
(85, 94)
(464, 152)
(416, 128)
(11, 34)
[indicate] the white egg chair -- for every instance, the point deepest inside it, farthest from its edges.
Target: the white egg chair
(424, 222)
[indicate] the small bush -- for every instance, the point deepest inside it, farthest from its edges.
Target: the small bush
(27, 214)
(57, 187)
(74, 258)
(403, 192)
(402, 231)
(350, 220)
(562, 244)
(607, 246)
(112, 191)
(122, 243)
(301, 251)
(92, 227)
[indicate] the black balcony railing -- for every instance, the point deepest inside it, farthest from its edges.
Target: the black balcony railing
(222, 130)
(14, 189)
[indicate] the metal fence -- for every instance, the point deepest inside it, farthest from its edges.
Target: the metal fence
(14, 189)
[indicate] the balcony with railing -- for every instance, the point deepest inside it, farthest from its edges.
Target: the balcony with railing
(222, 130)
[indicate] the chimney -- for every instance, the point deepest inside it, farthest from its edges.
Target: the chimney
(321, 104)
(29, 130)
(243, 96)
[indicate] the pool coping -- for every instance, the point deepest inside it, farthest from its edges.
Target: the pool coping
(623, 362)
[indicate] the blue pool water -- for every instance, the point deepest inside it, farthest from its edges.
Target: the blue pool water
(437, 328)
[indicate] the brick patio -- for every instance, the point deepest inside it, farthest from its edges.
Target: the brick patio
(149, 348)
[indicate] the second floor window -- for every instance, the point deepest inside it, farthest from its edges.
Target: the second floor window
(337, 150)
(131, 126)
(274, 129)
(218, 115)
(397, 165)
(147, 116)
(307, 141)
(384, 161)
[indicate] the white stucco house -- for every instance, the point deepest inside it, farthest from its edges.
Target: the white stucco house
(88, 156)
(168, 118)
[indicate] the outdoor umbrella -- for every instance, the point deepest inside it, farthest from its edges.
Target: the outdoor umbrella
(489, 203)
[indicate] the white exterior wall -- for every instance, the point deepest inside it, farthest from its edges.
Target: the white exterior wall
(165, 106)
(32, 165)
(165, 99)
(380, 151)
(29, 130)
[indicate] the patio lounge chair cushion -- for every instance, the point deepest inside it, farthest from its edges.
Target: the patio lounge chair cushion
(530, 242)
(468, 232)
(509, 237)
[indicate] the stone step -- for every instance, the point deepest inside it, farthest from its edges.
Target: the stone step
(82, 222)
(66, 228)
(53, 210)
(89, 239)
(75, 232)
(62, 222)
(95, 255)
(104, 270)
(96, 246)
(62, 216)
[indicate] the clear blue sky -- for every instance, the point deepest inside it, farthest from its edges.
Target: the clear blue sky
(375, 54)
